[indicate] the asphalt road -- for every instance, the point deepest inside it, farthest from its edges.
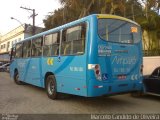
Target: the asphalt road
(28, 99)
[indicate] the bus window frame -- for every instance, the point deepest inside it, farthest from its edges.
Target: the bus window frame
(60, 34)
(85, 38)
(33, 39)
(30, 48)
(21, 50)
(59, 44)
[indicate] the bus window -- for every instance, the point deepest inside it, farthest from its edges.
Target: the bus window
(37, 47)
(73, 40)
(26, 49)
(114, 30)
(18, 53)
(51, 45)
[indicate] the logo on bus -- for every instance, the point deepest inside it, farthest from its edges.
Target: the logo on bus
(50, 61)
(124, 60)
(104, 76)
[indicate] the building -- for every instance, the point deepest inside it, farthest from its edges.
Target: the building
(14, 36)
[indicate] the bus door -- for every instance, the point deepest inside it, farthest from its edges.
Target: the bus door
(73, 59)
(19, 63)
(33, 71)
(33, 67)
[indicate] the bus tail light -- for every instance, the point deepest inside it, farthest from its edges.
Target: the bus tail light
(97, 70)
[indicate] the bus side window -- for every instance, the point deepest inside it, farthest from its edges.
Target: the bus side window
(18, 51)
(26, 49)
(51, 45)
(73, 40)
(37, 47)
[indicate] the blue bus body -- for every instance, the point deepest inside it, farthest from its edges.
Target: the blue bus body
(105, 67)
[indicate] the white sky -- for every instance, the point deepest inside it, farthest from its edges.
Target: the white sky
(11, 8)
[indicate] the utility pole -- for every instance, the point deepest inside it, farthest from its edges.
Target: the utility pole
(33, 16)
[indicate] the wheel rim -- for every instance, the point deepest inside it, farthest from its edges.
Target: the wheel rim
(51, 87)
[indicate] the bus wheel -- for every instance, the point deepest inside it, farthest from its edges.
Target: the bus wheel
(51, 87)
(16, 79)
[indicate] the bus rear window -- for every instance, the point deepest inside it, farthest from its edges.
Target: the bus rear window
(119, 31)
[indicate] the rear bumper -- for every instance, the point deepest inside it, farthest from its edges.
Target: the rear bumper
(114, 88)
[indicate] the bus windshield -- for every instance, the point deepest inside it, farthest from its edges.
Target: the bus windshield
(119, 31)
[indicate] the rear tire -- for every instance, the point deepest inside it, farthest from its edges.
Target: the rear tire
(16, 79)
(51, 87)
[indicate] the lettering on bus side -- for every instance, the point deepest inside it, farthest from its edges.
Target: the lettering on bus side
(104, 50)
(124, 60)
(76, 69)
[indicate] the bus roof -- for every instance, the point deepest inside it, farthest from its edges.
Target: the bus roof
(99, 16)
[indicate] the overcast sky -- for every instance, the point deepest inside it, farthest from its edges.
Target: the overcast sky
(11, 8)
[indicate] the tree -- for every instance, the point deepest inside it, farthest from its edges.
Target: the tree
(150, 25)
(74, 9)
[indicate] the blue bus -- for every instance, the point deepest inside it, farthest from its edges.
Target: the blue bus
(96, 55)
